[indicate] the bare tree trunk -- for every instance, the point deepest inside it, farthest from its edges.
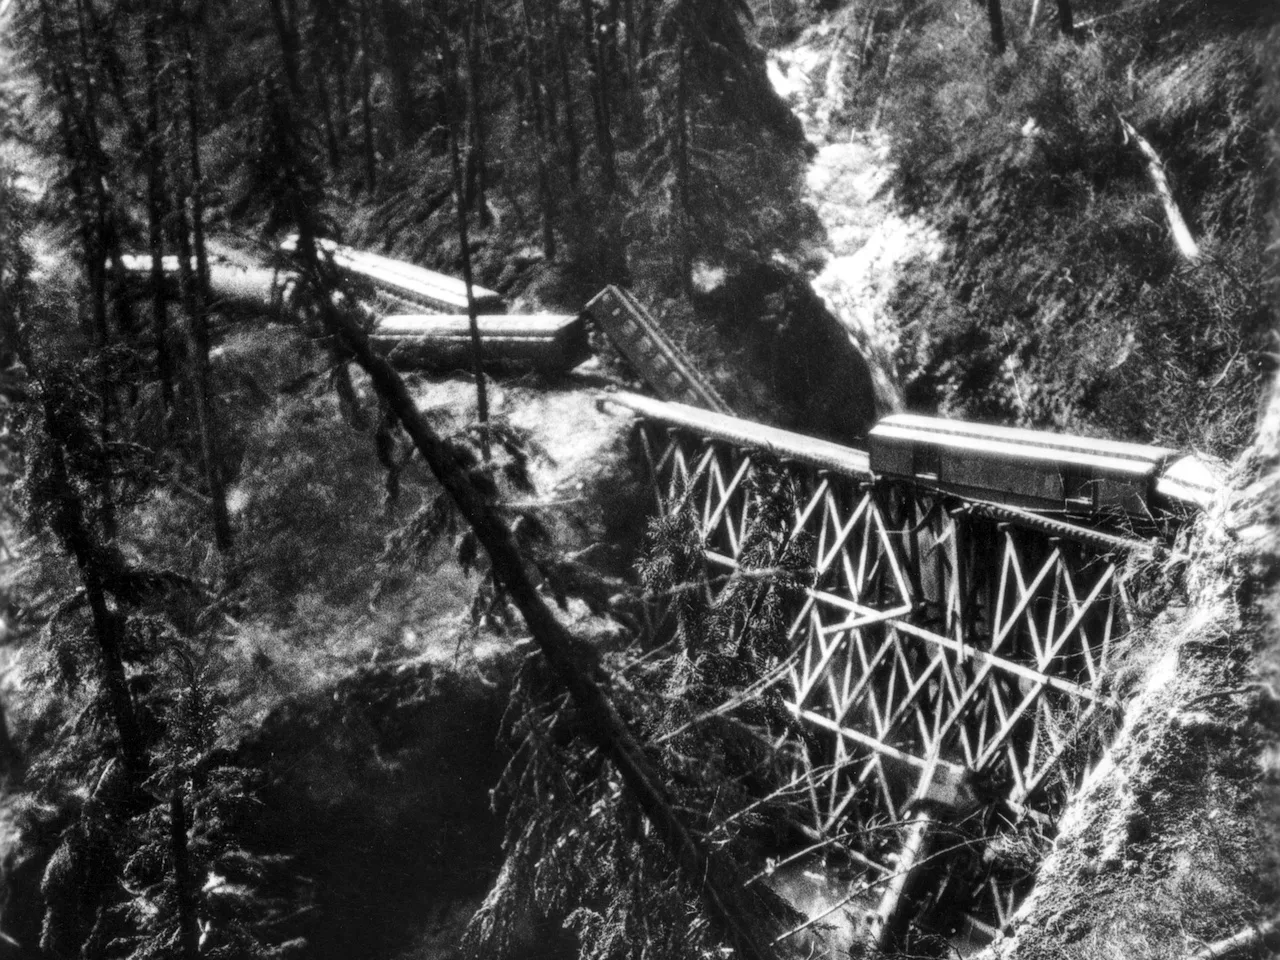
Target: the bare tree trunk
(573, 146)
(888, 72)
(867, 49)
(460, 204)
(1182, 238)
(286, 32)
(13, 768)
(156, 208)
(629, 25)
(599, 99)
(537, 93)
(684, 240)
(996, 17)
(1065, 20)
(366, 108)
(192, 248)
(184, 892)
(399, 53)
(326, 112)
(476, 173)
(344, 106)
(88, 153)
(193, 299)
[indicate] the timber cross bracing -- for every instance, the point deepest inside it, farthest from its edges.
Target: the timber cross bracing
(950, 660)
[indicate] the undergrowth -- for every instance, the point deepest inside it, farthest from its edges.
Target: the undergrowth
(578, 850)
(1062, 301)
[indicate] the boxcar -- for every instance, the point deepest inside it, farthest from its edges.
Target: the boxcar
(1023, 468)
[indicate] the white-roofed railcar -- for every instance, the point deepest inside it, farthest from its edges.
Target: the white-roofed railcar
(1037, 471)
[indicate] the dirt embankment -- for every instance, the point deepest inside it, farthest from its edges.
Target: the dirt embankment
(1173, 843)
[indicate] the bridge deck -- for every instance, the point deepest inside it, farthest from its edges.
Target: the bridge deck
(951, 657)
(750, 435)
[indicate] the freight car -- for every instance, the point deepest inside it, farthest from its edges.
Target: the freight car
(1044, 472)
(417, 285)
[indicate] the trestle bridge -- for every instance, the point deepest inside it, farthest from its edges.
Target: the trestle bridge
(952, 655)
(971, 591)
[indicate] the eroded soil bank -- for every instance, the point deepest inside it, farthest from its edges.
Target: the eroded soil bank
(1173, 842)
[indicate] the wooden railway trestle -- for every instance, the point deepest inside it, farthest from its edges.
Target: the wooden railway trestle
(951, 658)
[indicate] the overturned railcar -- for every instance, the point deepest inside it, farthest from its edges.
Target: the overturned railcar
(1044, 472)
(407, 282)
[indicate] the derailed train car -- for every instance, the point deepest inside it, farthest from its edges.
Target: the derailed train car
(1042, 472)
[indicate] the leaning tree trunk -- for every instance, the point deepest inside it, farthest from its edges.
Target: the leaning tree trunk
(1031, 21)
(71, 526)
(705, 871)
(1182, 238)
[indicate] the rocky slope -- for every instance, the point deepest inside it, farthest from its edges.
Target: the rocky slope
(1172, 842)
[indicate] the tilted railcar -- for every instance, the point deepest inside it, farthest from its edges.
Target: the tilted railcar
(1037, 471)
(406, 281)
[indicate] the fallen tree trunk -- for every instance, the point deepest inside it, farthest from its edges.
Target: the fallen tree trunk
(583, 679)
(1182, 238)
(1266, 935)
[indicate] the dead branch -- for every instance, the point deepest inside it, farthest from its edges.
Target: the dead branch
(1182, 238)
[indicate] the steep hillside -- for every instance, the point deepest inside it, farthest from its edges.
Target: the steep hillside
(1063, 299)
(265, 698)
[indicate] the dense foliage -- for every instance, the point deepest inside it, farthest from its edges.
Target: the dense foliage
(211, 510)
(703, 695)
(1062, 300)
